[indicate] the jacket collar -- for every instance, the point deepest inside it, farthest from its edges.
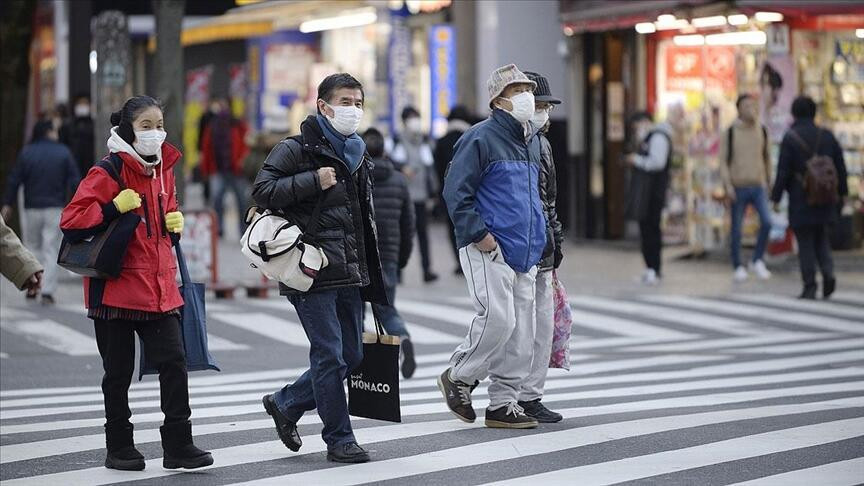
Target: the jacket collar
(803, 122)
(509, 123)
(170, 154)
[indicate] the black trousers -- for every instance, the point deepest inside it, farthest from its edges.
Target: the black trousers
(651, 236)
(422, 222)
(813, 247)
(163, 345)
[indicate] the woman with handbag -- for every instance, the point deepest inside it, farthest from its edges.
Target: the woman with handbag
(137, 177)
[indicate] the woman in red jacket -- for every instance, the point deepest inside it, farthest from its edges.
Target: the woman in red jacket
(144, 298)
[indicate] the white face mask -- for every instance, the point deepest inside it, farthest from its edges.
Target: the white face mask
(148, 142)
(413, 125)
(345, 119)
(523, 106)
(82, 110)
(540, 118)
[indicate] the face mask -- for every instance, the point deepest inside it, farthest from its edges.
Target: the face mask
(82, 111)
(540, 118)
(523, 106)
(413, 125)
(148, 142)
(345, 119)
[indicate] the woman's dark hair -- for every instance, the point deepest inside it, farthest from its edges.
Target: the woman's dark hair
(741, 98)
(460, 112)
(40, 130)
(133, 107)
(803, 107)
(409, 112)
(374, 143)
(771, 76)
(337, 81)
(640, 116)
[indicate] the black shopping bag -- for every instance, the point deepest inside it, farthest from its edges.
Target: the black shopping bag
(193, 325)
(373, 387)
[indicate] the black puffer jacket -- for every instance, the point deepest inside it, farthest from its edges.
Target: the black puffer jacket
(394, 213)
(548, 194)
(289, 182)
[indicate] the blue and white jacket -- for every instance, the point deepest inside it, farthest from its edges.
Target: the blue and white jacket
(491, 187)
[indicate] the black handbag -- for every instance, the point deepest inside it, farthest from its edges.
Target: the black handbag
(639, 195)
(373, 387)
(100, 255)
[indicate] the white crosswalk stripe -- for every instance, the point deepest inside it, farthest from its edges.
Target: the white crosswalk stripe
(661, 388)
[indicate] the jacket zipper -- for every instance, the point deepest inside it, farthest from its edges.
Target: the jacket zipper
(146, 214)
(162, 218)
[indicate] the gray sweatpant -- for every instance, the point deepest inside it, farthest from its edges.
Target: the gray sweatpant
(42, 236)
(499, 343)
(544, 329)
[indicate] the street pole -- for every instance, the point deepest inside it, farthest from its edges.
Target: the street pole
(168, 70)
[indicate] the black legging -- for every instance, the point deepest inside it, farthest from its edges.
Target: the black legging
(164, 348)
(421, 219)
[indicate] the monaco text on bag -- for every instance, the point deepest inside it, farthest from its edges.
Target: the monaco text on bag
(373, 387)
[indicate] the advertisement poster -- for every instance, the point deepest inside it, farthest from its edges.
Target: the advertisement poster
(777, 89)
(237, 89)
(197, 95)
(399, 58)
(442, 64)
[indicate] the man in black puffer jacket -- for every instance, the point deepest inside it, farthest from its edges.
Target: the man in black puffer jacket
(394, 218)
(327, 164)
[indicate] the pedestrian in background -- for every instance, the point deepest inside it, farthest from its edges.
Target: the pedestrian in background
(17, 264)
(458, 121)
(650, 178)
(47, 171)
(394, 220)
(502, 235)
(327, 164)
(412, 153)
(803, 154)
(144, 299)
(531, 391)
(745, 166)
(80, 133)
(224, 150)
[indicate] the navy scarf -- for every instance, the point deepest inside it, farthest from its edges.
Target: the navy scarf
(350, 149)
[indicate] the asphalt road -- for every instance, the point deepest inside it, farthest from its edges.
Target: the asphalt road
(665, 388)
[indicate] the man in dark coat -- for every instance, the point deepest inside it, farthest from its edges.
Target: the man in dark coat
(327, 164)
(810, 223)
(458, 121)
(394, 219)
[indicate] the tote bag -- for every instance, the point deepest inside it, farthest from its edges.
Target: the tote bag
(373, 387)
(560, 357)
(193, 325)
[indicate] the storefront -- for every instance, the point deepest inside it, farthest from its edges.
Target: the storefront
(695, 60)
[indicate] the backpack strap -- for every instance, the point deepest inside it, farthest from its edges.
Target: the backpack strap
(795, 135)
(730, 139)
(113, 165)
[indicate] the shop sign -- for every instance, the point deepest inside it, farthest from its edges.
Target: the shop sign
(398, 66)
(778, 39)
(690, 68)
(442, 64)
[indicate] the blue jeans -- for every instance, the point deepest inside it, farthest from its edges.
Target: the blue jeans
(390, 318)
(333, 321)
(755, 196)
(219, 185)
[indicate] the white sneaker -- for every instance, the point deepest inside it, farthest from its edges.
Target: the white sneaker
(740, 274)
(758, 267)
(650, 277)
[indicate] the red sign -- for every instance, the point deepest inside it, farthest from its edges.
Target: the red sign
(689, 68)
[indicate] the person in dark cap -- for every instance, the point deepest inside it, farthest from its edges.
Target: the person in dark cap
(458, 121)
(531, 391)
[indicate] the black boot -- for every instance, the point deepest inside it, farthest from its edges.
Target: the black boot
(122, 453)
(179, 451)
(809, 292)
(828, 286)
(409, 365)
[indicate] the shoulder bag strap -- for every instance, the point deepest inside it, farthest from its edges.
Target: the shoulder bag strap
(801, 142)
(312, 224)
(729, 140)
(181, 262)
(113, 164)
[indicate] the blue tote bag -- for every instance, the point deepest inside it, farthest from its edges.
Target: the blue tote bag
(193, 325)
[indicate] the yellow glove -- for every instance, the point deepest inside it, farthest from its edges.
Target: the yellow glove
(127, 200)
(174, 222)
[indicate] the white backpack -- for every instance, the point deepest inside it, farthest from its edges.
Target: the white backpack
(275, 246)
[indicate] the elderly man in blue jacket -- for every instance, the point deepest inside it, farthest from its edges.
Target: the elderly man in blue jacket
(491, 192)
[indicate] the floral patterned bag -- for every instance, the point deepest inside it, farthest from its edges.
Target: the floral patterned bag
(563, 324)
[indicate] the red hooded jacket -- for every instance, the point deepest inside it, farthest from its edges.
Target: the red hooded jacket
(147, 281)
